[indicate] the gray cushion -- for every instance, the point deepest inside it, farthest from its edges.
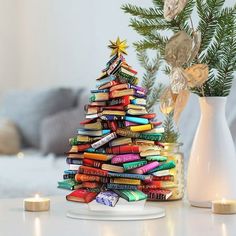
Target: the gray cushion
(57, 129)
(27, 108)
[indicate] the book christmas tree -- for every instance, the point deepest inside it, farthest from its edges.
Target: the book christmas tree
(117, 153)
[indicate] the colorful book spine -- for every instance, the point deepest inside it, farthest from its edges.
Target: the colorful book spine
(99, 150)
(92, 171)
(74, 161)
(158, 194)
(156, 158)
(131, 196)
(141, 128)
(147, 178)
(92, 163)
(121, 186)
(165, 166)
(91, 178)
(93, 133)
(163, 178)
(68, 176)
(158, 184)
(127, 133)
(107, 198)
(125, 181)
(138, 120)
(124, 158)
(81, 195)
(105, 80)
(104, 140)
(91, 185)
(134, 164)
(146, 168)
(123, 149)
(124, 101)
(97, 156)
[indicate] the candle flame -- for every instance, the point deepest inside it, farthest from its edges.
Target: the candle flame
(223, 200)
(36, 196)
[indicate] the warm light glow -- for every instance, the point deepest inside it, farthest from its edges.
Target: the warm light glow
(37, 227)
(36, 196)
(223, 228)
(20, 155)
(223, 200)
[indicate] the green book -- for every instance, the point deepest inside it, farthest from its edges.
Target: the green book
(131, 195)
(134, 164)
(165, 166)
(156, 158)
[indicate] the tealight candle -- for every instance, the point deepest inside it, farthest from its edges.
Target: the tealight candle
(36, 204)
(224, 206)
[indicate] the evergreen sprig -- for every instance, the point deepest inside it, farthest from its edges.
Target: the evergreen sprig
(154, 91)
(170, 135)
(149, 77)
(218, 28)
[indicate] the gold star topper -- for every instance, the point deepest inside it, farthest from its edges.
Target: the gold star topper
(118, 47)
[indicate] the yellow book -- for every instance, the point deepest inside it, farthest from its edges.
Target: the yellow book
(140, 128)
(87, 139)
(113, 168)
(120, 141)
(76, 155)
(126, 181)
(135, 107)
(150, 152)
(93, 126)
(136, 112)
(113, 112)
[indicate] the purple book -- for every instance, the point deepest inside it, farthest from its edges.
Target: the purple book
(124, 158)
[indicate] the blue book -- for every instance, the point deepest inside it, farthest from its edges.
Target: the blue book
(99, 90)
(129, 176)
(105, 80)
(138, 120)
(93, 132)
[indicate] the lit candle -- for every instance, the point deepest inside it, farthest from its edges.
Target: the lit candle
(224, 206)
(36, 204)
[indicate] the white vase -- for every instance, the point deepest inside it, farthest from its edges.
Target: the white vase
(212, 163)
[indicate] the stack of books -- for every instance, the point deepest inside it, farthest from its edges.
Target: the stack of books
(117, 153)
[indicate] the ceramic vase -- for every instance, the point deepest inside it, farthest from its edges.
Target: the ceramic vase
(212, 163)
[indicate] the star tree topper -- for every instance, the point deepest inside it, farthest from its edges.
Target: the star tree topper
(118, 47)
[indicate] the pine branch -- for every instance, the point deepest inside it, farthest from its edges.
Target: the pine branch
(208, 12)
(151, 13)
(170, 135)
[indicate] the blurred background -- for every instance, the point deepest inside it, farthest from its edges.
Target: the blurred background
(51, 52)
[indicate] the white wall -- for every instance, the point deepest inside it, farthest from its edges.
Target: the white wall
(8, 45)
(60, 42)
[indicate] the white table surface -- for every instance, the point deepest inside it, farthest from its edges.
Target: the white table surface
(181, 219)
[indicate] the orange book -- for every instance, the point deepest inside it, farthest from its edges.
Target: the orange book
(121, 93)
(97, 156)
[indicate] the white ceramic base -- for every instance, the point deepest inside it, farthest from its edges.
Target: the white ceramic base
(201, 204)
(123, 211)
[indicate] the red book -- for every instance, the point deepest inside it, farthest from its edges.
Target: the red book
(92, 163)
(149, 116)
(115, 108)
(91, 178)
(81, 195)
(83, 147)
(87, 121)
(123, 149)
(91, 185)
(92, 171)
(163, 178)
(112, 125)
